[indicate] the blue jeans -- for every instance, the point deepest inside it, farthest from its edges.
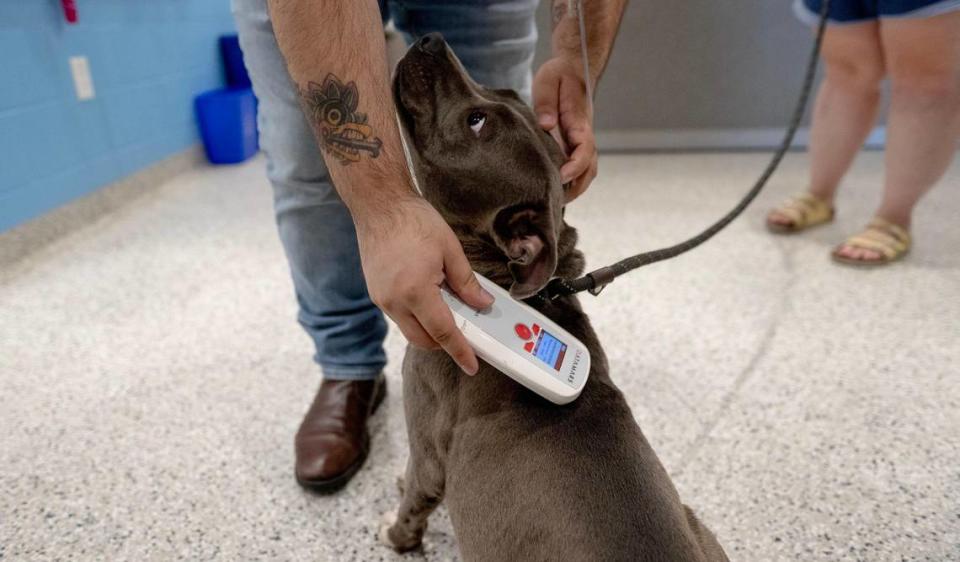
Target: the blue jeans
(495, 40)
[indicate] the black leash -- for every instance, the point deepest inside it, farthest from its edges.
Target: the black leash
(597, 280)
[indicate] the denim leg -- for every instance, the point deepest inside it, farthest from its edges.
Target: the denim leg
(315, 227)
(494, 39)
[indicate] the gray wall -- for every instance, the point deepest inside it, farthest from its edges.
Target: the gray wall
(699, 73)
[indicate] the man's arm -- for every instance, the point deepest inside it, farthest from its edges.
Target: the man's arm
(602, 21)
(336, 56)
(559, 91)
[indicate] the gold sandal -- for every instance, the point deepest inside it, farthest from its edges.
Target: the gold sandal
(892, 241)
(804, 211)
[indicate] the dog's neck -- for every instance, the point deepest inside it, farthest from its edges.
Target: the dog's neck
(487, 259)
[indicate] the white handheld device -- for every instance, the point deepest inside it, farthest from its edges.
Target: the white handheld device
(523, 344)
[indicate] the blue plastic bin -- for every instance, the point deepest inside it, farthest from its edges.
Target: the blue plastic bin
(228, 124)
(236, 72)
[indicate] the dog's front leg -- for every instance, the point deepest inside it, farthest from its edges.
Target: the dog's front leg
(422, 492)
(428, 391)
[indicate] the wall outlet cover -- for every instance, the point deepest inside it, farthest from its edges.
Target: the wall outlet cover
(82, 80)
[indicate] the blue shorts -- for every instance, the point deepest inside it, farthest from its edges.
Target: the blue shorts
(855, 11)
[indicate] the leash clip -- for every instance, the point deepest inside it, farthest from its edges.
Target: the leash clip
(601, 278)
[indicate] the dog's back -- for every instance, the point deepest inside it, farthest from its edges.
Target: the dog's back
(528, 480)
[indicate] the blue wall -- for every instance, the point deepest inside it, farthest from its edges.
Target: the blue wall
(148, 58)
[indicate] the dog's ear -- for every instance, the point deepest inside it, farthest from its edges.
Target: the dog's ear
(528, 237)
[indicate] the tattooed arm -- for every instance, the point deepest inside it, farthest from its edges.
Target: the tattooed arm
(559, 93)
(335, 54)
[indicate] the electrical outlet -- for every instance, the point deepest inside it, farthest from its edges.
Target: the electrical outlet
(82, 80)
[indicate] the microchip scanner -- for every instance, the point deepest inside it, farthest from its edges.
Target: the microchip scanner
(523, 344)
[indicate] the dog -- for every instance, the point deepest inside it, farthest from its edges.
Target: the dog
(523, 479)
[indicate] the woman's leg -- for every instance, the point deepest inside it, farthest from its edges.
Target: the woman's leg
(846, 106)
(923, 60)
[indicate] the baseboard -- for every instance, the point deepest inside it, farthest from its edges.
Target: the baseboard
(647, 140)
(36, 234)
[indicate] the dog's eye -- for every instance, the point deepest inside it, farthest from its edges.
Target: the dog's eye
(476, 121)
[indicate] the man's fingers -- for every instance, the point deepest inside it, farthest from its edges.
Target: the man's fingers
(561, 142)
(583, 155)
(437, 320)
(577, 130)
(575, 190)
(414, 332)
(546, 96)
(580, 185)
(461, 278)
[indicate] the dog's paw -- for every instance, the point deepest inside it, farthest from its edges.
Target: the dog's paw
(392, 535)
(386, 521)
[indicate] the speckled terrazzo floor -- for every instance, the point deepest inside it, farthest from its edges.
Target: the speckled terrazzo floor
(152, 376)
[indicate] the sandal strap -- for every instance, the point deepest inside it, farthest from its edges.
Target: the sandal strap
(809, 201)
(805, 208)
(882, 236)
(795, 214)
(890, 229)
(869, 243)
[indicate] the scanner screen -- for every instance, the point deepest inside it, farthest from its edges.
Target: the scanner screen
(550, 350)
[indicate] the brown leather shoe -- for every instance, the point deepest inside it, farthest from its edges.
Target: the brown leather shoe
(333, 441)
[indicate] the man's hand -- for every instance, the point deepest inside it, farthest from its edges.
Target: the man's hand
(407, 252)
(560, 102)
(559, 92)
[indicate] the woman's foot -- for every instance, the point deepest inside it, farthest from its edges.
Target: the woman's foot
(798, 213)
(881, 242)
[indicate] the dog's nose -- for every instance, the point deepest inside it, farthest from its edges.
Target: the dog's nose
(431, 43)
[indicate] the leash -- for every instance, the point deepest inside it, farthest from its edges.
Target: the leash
(597, 280)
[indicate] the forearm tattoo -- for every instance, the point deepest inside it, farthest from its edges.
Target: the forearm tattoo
(344, 132)
(559, 10)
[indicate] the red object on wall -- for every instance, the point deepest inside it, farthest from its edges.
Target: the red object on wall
(69, 10)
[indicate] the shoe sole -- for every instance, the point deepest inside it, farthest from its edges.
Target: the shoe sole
(337, 483)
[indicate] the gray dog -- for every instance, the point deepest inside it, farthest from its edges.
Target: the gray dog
(523, 479)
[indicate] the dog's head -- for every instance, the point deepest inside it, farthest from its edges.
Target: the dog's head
(484, 163)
